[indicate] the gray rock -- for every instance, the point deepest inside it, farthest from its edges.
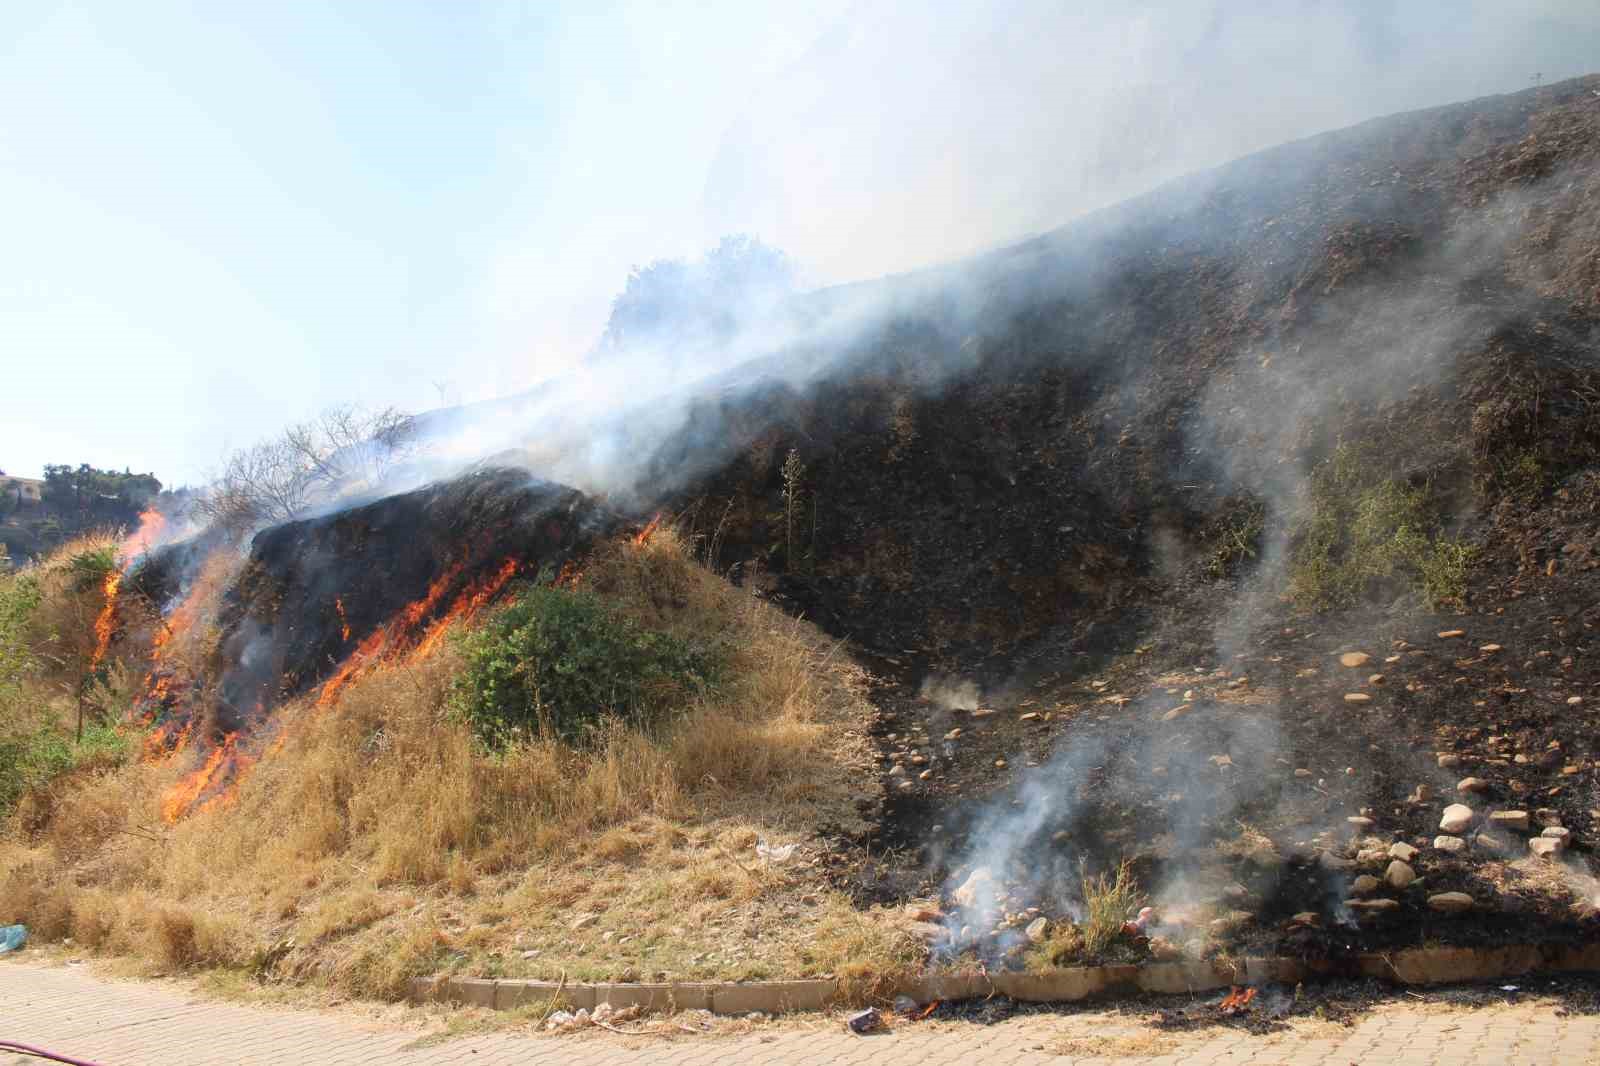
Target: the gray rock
(1036, 929)
(1365, 885)
(1454, 845)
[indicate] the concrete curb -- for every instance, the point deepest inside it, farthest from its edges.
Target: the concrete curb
(1416, 966)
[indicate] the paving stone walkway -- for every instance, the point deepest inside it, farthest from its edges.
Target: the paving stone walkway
(114, 1023)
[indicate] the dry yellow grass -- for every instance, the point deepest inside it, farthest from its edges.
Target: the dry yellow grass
(387, 843)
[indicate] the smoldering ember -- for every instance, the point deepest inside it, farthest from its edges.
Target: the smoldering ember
(1211, 577)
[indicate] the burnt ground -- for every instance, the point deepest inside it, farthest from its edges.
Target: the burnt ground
(1077, 501)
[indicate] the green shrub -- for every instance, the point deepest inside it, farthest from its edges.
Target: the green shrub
(1364, 532)
(32, 760)
(90, 567)
(559, 662)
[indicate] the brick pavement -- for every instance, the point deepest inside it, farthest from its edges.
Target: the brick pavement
(68, 1010)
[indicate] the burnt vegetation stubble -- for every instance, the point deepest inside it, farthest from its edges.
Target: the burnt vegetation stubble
(1042, 492)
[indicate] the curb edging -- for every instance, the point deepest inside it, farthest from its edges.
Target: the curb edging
(1414, 966)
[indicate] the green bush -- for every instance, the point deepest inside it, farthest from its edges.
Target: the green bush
(91, 566)
(1365, 532)
(559, 662)
(32, 760)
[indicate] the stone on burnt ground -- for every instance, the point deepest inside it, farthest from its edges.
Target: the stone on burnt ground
(1365, 885)
(1036, 929)
(1450, 902)
(1357, 697)
(1472, 784)
(1558, 833)
(1354, 659)
(1545, 848)
(1517, 820)
(1490, 842)
(1402, 851)
(1399, 874)
(1369, 909)
(1456, 818)
(1453, 845)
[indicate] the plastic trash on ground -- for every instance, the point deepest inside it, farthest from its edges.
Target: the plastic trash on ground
(12, 937)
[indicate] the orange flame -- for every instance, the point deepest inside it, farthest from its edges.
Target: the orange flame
(105, 624)
(344, 623)
(1237, 1000)
(181, 798)
(644, 534)
(151, 523)
(474, 598)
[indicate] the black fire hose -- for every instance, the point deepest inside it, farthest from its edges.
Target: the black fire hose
(41, 1053)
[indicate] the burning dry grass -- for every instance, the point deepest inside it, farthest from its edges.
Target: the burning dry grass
(387, 842)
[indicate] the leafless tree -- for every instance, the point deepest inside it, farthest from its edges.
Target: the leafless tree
(279, 479)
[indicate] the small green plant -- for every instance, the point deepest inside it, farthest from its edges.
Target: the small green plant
(1109, 900)
(561, 661)
(1235, 537)
(1364, 531)
(32, 760)
(91, 567)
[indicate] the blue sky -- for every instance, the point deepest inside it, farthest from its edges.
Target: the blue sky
(220, 218)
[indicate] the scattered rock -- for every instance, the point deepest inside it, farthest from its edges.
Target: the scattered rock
(1028, 716)
(999, 764)
(1365, 885)
(1472, 784)
(1399, 874)
(1357, 697)
(1374, 679)
(1370, 856)
(1306, 918)
(1450, 902)
(1489, 649)
(1302, 772)
(982, 712)
(1546, 817)
(1359, 823)
(1447, 634)
(1489, 842)
(1368, 909)
(1036, 929)
(1457, 817)
(1354, 659)
(1448, 762)
(979, 883)
(926, 775)
(1556, 832)
(1454, 845)
(1420, 795)
(1517, 820)
(1177, 712)
(1546, 848)
(1402, 851)
(583, 921)
(1573, 701)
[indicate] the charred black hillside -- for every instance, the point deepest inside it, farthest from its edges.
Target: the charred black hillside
(314, 591)
(1041, 448)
